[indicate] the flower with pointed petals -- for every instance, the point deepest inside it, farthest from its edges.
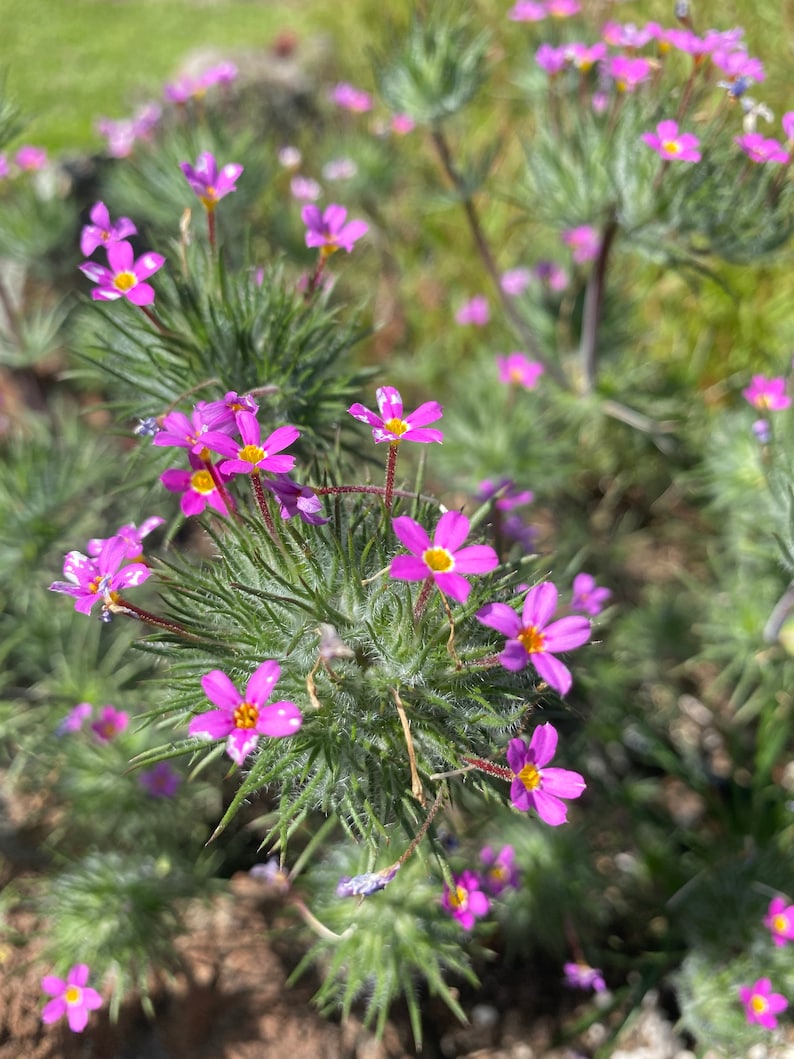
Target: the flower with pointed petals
(475, 311)
(551, 59)
(581, 975)
(208, 182)
(132, 536)
(671, 144)
(110, 723)
(327, 230)
(197, 487)
(500, 870)
(779, 919)
(516, 369)
(760, 149)
(179, 431)
(91, 579)
(392, 426)
(295, 499)
(161, 781)
(444, 560)
(465, 901)
(254, 454)
(126, 277)
(102, 232)
(767, 395)
(588, 596)
(536, 787)
(71, 997)
(761, 1005)
(530, 638)
(242, 719)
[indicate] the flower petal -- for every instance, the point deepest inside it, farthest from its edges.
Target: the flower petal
(214, 724)
(53, 1009)
(563, 783)
(408, 568)
(279, 719)
(219, 689)
(550, 809)
(411, 534)
(476, 559)
(540, 604)
(451, 531)
(240, 744)
(552, 670)
(566, 634)
(453, 585)
(262, 682)
(543, 745)
(500, 617)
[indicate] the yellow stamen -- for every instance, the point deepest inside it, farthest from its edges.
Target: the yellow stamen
(73, 995)
(201, 482)
(246, 715)
(530, 777)
(124, 281)
(780, 924)
(671, 146)
(458, 897)
(439, 560)
(758, 1004)
(252, 454)
(533, 640)
(396, 426)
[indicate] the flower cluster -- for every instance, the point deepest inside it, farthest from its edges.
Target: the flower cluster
(761, 1004)
(472, 892)
(124, 276)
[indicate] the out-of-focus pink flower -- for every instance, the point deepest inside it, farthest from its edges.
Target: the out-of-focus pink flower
(126, 277)
(120, 136)
(628, 71)
(402, 124)
(551, 275)
(736, 64)
(551, 59)
(627, 35)
(340, 169)
(767, 395)
(671, 144)
(30, 158)
(327, 229)
(583, 241)
(584, 57)
(75, 718)
(588, 596)
(501, 870)
(304, 189)
(505, 493)
(562, 8)
(350, 98)
(71, 997)
(779, 919)
(516, 369)
(222, 73)
(515, 281)
(465, 901)
(208, 182)
(290, 157)
(161, 781)
(761, 1005)
(102, 232)
(760, 149)
(527, 11)
(475, 311)
(581, 975)
(110, 723)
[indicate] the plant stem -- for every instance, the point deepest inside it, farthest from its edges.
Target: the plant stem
(261, 500)
(117, 605)
(593, 303)
(391, 464)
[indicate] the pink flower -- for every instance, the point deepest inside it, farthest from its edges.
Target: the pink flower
(761, 1004)
(198, 487)
(780, 921)
(110, 723)
(253, 454)
(627, 35)
(179, 431)
(444, 560)
(402, 124)
(587, 595)
(583, 57)
(131, 535)
(75, 718)
(787, 121)
(760, 149)
(208, 182)
(101, 232)
(162, 781)
(120, 136)
(328, 231)
(222, 73)
(71, 997)
(669, 143)
(91, 579)
(30, 159)
(500, 870)
(551, 59)
(530, 638)
(516, 369)
(350, 98)
(581, 975)
(767, 395)
(290, 157)
(304, 189)
(562, 8)
(515, 281)
(392, 425)
(241, 720)
(536, 787)
(475, 311)
(527, 11)
(340, 169)
(584, 242)
(465, 901)
(125, 277)
(628, 71)
(735, 64)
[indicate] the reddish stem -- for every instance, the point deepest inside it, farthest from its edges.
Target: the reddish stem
(490, 767)
(391, 464)
(424, 595)
(123, 606)
(261, 500)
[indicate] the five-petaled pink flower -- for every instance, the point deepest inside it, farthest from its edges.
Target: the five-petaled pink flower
(197, 487)
(587, 595)
(91, 579)
(443, 560)
(71, 997)
(760, 149)
(327, 230)
(501, 870)
(761, 1005)
(530, 638)
(242, 719)
(110, 723)
(102, 232)
(466, 900)
(669, 143)
(767, 395)
(779, 919)
(392, 425)
(536, 787)
(516, 369)
(125, 278)
(208, 182)
(254, 454)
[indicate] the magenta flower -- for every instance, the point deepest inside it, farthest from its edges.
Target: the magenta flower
(295, 499)
(628, 71)
(102, 232)
(761, 1005)
(767, 395)
(161, 781)
(179, 431)
(527, 11)
(501, 871)
(583, 241)
(588, 596)
(738, 64)
(584, 57)
(350, 98)
(581, 975)
(392, 426)
(516, 369)
(551, 59)
(110, 723)
(562, 8)
(327, 229)
(220, 415)
(444, 560)
(760, 149)
(627, 35)
(515, 281)
(208, 182)
(30, 159)
(787, 122)
(780, 921)
(198, 488)
(530, 638)
(91, 579)
(222, 73)
(536, 787)
(402, 124)
(71, 997)
(75, 718)
(126, 277)
(670, 144)
(131, 535)
(466, 901)
(254, 454)
(241, 720)
(475, 311)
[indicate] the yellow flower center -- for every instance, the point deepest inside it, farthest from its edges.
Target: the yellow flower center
(201, 482)
(758, 1004)
(458, 897)
(530, 777)
(439, 560)
(252, 454)
(396, 426)
(328, 249)
(779, 924)
(498, 873)
(246, 715)
(210, 198)
(671, 146)
(533, 640)
(73, 995)
(124, 281)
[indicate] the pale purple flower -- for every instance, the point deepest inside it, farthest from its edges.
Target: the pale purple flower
(762, 431)
(515, 281)
(242, 719)
(627, 35)
(368, 883)
(588, 596)
(145, 120)
(340, 169)
(131, 535)
(671, 144)
(551, 59)
(222, 73)
(761, 1005)
(505, 492)
(328, 231)
(760, 149)
(350, 98)
(161, 781)
(581, 975)
(295, 499)
(304, 189)
(583, 241)
(392, 425)
(516, 369)
(89, 580)
(182, 90)
(767, 395)
(120, 136)
(289, 156)
(198, 487)
(254, 453)
(583, 56)
(501, 870)
(273, 875)
(75, 718)
(443, 560)
(109, 723)
(527, 11)
(779, 920)
(466, 900)
(71, 997)
(125, 278)
(530, 637)
(475, 311)
(102, 232)
(208, 182)
(536, 787)
(628, 71)
(30, 158)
